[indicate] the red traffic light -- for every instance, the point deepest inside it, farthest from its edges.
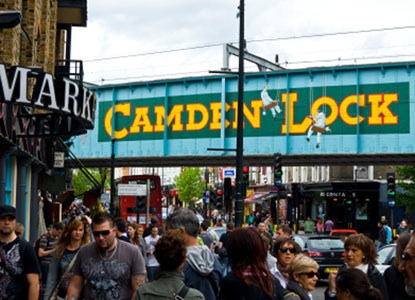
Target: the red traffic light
(220, 192)
(245, 170)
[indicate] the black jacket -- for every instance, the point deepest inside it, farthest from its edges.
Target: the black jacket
(395, 284)
(294, 292)
(233, 288)
(376, 280)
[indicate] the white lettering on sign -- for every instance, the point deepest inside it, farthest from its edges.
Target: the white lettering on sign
(229, 173)
(132, 189)
(59, 160)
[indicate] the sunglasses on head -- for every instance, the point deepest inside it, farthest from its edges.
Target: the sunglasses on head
(102, 232)
(311, 274)
(285, 249)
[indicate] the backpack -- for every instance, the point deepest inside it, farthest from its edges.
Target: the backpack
(181, 294)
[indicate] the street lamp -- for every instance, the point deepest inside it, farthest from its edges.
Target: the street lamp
(10, 18)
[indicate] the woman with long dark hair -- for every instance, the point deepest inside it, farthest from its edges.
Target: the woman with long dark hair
(250, 277)
(354, 284)
(74, 236)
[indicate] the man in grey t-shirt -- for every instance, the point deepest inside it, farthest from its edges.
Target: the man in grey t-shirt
(107, 268)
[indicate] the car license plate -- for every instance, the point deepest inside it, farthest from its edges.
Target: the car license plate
(328, 270)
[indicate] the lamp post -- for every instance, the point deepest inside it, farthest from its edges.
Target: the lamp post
(239, 200)
(10, 18)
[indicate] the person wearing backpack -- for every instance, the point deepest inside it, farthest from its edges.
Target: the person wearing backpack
(46, 249)
(170, 252)
(202, 270)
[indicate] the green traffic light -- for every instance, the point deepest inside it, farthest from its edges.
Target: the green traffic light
(391, 193)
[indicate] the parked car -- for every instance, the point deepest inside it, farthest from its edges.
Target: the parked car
(216, 233)
(386, 255)
(342, 233)
(327, 251)
(300, 239)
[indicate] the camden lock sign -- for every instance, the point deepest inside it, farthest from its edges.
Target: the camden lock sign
(35, 105)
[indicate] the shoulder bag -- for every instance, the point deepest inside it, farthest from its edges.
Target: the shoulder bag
(54, 295)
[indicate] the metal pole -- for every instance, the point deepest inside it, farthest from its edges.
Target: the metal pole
(239, 200)
(148, 202)
(112, 175)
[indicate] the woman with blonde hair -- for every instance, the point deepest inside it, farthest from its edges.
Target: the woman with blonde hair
(303, 272)
(74, 236)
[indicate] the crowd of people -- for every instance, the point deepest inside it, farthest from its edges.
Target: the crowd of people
(107, 258)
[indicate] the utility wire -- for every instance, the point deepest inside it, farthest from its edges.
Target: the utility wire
(253, 41)
(335, 33)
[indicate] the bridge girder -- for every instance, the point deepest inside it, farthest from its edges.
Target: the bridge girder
(252, 160)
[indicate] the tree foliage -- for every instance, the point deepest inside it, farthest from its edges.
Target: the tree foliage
(189, 184)
(406, 198)
(82, 183)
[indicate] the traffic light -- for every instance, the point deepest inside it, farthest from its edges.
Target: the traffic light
(245, 174)
(212, 198)
(141, 203)
(219, 200)
(227, 194)
(391, 186)
(277, 169)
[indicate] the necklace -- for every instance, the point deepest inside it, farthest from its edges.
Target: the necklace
(108, 254)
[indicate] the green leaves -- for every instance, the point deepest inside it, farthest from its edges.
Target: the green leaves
(189, 184)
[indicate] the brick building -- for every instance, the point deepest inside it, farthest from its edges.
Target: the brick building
(43, 101)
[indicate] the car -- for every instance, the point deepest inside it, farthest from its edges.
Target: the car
(342, 233)
(386, 256)
(216, 233)
(327, 251)
(300, 239)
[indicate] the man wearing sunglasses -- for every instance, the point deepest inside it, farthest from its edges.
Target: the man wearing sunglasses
(108, 268)
(407, 267)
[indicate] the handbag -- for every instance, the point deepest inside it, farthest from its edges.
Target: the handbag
(54, 295)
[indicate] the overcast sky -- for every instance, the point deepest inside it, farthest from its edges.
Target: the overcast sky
(142, 40)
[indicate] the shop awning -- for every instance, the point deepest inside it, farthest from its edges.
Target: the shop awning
(260, 197)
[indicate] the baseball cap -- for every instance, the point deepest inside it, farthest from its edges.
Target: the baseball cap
(7, 210)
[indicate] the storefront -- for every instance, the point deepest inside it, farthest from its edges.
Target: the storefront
(349, 204)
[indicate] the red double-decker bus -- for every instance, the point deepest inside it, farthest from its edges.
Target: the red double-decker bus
(134, 208)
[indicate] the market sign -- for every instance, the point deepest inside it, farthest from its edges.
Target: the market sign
(35, 104)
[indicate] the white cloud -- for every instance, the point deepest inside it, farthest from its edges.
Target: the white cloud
(128, 29)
